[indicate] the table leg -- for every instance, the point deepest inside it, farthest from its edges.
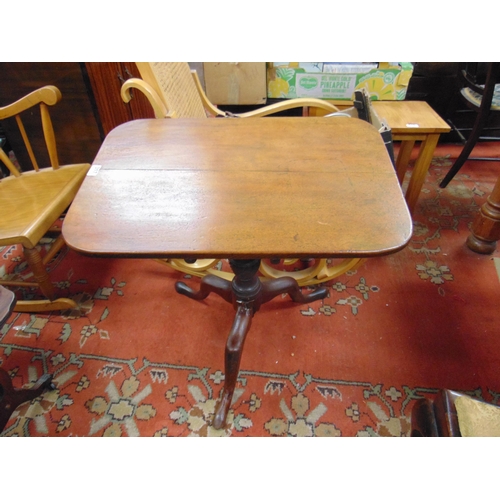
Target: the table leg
(247, 293)
(420, 170)
(403, 159)
(485, 230)
(11, 398)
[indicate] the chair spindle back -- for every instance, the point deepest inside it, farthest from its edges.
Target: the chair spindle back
(45, 97)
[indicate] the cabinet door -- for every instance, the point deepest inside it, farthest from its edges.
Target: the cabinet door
(139, 105)
(106, 79)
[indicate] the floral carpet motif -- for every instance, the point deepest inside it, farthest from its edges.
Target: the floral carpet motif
(136, 359)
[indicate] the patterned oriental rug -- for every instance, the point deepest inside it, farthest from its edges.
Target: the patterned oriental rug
(137, 359)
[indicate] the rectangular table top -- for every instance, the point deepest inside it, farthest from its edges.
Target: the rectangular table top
(240, 188)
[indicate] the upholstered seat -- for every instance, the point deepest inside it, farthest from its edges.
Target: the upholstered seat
(476, 98)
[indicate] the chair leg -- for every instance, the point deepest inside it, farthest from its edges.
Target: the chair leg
(467, 149)
(423, 420)
(42, 278)
(40, 274)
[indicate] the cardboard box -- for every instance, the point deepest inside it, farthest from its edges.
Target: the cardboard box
(235, 83)
(386, 82)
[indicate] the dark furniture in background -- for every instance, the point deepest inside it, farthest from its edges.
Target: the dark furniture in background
(477, 93)
(106, 80)
(437, 418)
(92, 105)
(11, 398)
(431, 82)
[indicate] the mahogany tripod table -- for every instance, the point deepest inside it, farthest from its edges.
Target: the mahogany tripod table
(243, 190)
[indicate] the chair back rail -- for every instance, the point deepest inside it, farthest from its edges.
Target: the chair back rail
(44, 97)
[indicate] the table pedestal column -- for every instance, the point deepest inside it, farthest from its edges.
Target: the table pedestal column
(247, 293)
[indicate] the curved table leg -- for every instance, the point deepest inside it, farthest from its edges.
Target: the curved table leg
(273, 288)
(209, 284)
(234, 349)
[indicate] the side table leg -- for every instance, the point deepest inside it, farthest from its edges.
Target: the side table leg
(420, 170)
(485, 230)
(403, 159)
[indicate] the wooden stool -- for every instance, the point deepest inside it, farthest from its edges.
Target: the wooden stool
(11, 398)
(410, 122)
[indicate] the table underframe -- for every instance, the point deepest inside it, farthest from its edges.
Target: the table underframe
(247, 293)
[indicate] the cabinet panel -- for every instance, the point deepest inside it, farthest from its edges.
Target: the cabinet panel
(106, 79)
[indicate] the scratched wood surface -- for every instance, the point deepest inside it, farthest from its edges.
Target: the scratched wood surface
(262, 187)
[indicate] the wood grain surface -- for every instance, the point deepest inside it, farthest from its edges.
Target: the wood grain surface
(254, 188)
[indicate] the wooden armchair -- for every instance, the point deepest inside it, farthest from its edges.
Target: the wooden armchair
(175, 91)
(33, 201)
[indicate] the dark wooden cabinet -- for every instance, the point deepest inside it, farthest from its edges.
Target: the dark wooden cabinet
(106, 79)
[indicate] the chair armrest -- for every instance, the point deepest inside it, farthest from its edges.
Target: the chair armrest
(214, 111)
(300, 102)
(159, 108)
(49, 95)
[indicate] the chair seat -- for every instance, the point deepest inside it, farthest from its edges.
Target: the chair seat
(32, 202)
(475, 98)
(477, 419)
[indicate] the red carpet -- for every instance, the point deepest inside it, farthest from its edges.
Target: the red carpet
(144, 361)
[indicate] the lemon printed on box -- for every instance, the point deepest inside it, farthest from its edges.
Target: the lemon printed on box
(377, 88)
(278, 88)
(281, 86)
(380, 86)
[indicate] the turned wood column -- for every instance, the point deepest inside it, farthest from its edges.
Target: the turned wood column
(485, 230)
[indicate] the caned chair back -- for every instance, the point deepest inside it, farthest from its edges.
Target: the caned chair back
(174, 83)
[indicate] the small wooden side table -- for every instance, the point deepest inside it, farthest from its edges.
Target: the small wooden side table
(410, 122)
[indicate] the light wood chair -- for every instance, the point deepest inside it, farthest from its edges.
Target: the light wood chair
(175, 91)
(33, 201)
